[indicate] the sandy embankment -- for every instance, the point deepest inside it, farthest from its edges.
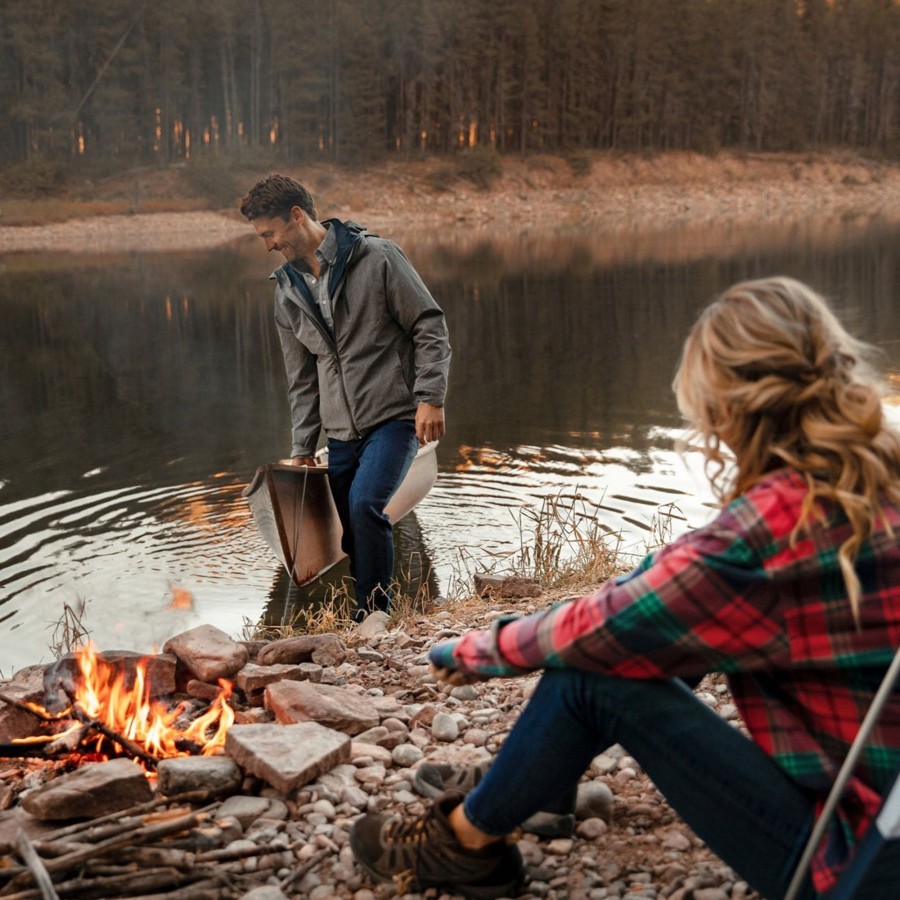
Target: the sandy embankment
(620, 195)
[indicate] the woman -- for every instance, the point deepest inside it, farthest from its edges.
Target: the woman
(793, 592)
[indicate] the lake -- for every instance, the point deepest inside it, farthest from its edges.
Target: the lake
(139, 392)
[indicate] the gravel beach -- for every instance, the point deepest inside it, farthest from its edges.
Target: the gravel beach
(627, 196)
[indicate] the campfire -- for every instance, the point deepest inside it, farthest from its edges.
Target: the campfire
(110, 712)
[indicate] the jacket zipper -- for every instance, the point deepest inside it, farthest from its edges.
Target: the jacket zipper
(333, 341)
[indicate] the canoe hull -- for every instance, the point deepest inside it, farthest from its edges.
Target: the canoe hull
(295, 513)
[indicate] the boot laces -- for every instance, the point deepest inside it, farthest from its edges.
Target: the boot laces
(408, 830)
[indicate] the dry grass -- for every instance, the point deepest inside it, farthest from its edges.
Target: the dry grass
(69, 632)
(562, 544)
(334, 615)
(17, 211)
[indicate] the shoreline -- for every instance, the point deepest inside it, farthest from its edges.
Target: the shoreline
(629, 198)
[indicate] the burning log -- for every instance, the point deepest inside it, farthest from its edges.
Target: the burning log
(130, 748)
(64, 744)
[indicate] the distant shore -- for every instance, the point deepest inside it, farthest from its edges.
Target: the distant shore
(621, 195)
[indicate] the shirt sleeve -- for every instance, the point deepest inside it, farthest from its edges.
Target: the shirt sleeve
(704, 603)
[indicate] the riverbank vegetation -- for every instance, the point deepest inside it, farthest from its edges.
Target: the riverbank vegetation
(563, 548)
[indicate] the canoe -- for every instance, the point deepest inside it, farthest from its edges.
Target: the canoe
(295, 513)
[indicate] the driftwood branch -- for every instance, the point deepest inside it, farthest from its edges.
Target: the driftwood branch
(36, 866)
(132, 811)
(136, 836)
(121, 885)
(298, 873)
(210, 889)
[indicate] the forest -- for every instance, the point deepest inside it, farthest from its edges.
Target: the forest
(116, 84)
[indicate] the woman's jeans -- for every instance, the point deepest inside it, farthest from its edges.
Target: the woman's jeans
(733, 796)
(364, 474)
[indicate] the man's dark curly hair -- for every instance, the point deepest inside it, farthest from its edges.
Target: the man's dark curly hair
(274, 196)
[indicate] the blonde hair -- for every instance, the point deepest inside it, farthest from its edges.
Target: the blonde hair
(770, 372)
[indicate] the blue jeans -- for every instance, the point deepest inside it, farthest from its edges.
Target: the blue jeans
(364, 474)
(733, 796)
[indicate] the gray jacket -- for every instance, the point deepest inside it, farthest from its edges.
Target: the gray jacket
(390, 350)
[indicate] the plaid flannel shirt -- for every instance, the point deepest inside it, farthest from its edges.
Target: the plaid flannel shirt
(739, 596)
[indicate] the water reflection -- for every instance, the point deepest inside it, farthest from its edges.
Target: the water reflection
(139, 393)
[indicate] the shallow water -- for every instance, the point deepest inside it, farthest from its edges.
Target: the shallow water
(139, 392)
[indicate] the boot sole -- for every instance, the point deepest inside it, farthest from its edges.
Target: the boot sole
(506, 880)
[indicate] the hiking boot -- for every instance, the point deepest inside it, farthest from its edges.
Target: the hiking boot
(419, 852)
(433, 779)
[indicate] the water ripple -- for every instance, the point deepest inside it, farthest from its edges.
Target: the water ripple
(149, 561)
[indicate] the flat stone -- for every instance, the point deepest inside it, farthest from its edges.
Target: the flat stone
(14, 820)
(255, 677)
(214, 774)
(371, 751)
(208, 653)
(373, 625)
(287, 756)
(26, 685)
(96, 789)
(202, 690)
(323, 649)
(245, 809)
(335, 707)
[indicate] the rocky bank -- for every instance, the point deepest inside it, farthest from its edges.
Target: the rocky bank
(279, 841)
(273, 832)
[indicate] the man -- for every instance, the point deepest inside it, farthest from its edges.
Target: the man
(367, 355)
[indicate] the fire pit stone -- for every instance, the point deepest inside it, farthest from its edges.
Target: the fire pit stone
(159, 670)
(336, 707)
(287, 756)
(215, 775)
(324, 649)
(26, 685)
(89, 791)
(208, 652)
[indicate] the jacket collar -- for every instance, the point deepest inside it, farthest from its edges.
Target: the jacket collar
(350, 238)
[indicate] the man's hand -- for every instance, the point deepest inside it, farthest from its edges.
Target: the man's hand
(429, 423)
(298, 461)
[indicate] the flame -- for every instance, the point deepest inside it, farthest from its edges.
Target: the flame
(102, 695)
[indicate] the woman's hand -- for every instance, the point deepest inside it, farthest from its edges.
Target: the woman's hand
(453, 677)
